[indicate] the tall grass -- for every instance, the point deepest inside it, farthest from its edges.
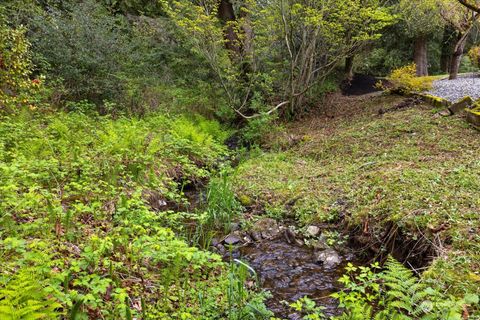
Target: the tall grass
(222, 203)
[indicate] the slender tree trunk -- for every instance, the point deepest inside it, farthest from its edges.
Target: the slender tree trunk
(457, 57)
(448, 43)
(247, 44)
(349, 67)
(420, 56)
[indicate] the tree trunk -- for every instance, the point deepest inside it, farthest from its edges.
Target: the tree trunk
(448, 44)
(457, 57)
(420, 56)
(349, 67)
(226, 14)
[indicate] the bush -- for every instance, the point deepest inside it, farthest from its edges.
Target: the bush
(404, 80)
(85, 47)
(257, 129)
(16, 87)
(474, 55)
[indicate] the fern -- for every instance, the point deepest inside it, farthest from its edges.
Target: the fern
(402, 296)
(23, 298)
(404, 291)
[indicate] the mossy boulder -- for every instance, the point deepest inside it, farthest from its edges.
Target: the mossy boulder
(460, 105)
(245, 200)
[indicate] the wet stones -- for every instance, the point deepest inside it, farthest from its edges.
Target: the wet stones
(256, 236)
(320, 243)
(290, 272)
(312, 231)
(234, 226)
(263, 229)
(232, 239)
(290, 235)
(329, 258)
(267, 227)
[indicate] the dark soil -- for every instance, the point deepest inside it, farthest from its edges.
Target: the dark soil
(360, 84)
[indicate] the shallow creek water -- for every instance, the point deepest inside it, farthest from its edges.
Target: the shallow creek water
(289, 272)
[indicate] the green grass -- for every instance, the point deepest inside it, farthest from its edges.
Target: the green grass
(408, 167)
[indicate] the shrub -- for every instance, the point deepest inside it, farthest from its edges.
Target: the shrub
(257, 129)
(404, 80)
(474, 55)
(85, 47)
(16, 87)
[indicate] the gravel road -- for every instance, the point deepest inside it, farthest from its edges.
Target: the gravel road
(454, 90)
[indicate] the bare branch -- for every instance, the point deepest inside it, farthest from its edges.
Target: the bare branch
(261, 114)
(470, 6)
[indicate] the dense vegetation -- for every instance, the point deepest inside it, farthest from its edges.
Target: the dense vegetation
(116, 178)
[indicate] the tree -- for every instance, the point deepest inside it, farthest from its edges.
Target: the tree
(319, 34)
(377, 8)
(293, 45)
(462, 19)
(447, 45)
(421, 19)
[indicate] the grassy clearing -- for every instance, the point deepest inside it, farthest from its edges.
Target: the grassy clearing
(79, 236)
(408, 168)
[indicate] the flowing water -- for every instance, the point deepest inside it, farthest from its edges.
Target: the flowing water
(290, 272)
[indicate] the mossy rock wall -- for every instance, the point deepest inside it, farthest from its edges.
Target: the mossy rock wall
(473, 116)
(435, 101)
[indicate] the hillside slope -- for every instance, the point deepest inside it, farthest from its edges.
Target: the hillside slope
(402, 181)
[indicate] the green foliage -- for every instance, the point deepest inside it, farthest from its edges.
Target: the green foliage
(24, 298)
(80, 201)
(257, 129)
(420, 18)
(308, 309)
(91, 51)
(63, 44)
(296, 45)
(241, 303)
(467, 65)
(395, 293)
(474, 55)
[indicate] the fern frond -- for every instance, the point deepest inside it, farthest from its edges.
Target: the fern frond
(23, 297)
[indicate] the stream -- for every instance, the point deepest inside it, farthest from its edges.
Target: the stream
(286, 267)
(290, 272)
